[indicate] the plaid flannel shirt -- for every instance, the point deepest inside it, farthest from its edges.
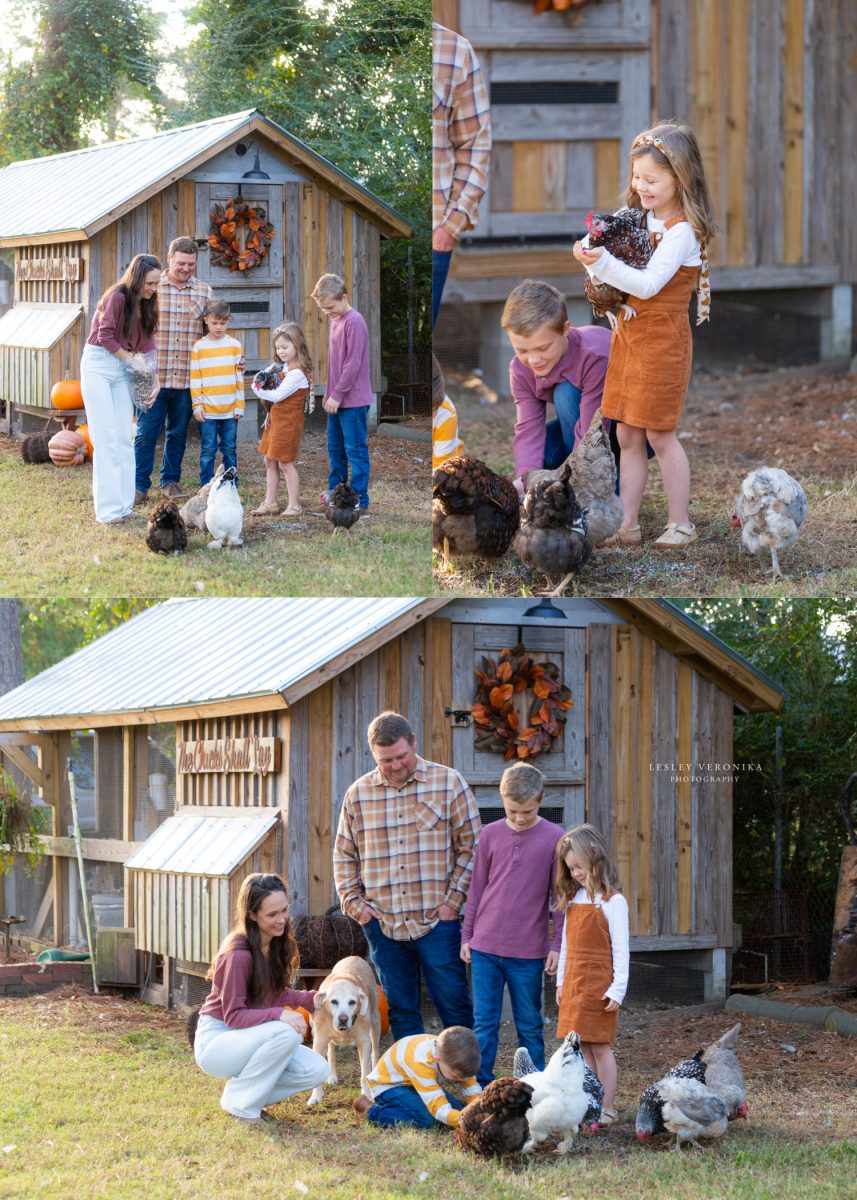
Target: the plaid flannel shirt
(407, 850)
(179, 327)
(461, 132)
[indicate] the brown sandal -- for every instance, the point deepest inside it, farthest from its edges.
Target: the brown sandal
(632, 536)
(265, 510)
(676, 537)
(608, 1117)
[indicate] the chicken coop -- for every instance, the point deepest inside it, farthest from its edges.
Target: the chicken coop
(769, 88)
(207, 720)
(76, 220)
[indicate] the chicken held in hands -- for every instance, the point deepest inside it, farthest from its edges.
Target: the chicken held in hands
(624, 235)
(474, 510)
(552, 537)
(494, 1124)
(770, 510)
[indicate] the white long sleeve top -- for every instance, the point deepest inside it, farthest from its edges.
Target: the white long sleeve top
(616, 911)
(677, 248)
(292, 381)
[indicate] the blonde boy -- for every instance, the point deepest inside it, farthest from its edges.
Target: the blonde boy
(217, 390)
(348, 392)
(406, 1083)
(506, 935)
(553, 364)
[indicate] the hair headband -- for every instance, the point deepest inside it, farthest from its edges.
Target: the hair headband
(703, 288)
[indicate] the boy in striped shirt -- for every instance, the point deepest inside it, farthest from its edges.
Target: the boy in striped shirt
(217, 390)
(406, 1083)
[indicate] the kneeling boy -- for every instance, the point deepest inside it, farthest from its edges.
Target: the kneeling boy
(406, 1083)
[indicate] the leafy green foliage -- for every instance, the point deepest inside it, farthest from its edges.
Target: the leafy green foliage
(85, 56)
(53, 629)
(21, 823)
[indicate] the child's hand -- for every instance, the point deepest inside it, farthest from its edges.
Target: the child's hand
(199, 415)
(558, 995)
(552, 962)
(611, 1005)
(588, 257)
(519, 487)
(464, 952)
(238, 416)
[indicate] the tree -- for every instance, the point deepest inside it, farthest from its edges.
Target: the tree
(86, 56)
(11, 664)
(53, 629)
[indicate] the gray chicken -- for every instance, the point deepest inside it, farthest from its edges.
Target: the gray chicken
(593, 477)
(165, 531)
(552, 537)
(193, 510)
(770, 510)
(724, 1076)
(682, 1106)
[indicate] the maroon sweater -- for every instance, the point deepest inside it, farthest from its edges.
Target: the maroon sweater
(107, 328)
(228, 997)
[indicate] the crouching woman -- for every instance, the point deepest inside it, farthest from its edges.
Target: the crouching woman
(248, 1033)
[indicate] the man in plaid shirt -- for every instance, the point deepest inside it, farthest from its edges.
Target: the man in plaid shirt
(461, 148)
(181, 302)
(402, 862)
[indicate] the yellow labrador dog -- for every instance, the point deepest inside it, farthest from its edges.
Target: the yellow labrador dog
(346, 1011)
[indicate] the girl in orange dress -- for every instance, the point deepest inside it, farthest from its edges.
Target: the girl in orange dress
(284, 425)
(650, 354)
(592, 975)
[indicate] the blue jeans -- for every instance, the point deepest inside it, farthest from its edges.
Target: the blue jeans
(440, 260)
(347, 446)
(523, 977)
(559, 433)
(224, 433)
(436, 956)
(172, 409)
(402, 1106)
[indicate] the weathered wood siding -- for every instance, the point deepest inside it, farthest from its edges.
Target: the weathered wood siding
(239, 789)
(27, 375)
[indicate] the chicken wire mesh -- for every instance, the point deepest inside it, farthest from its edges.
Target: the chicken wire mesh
(408, 385)
(782, 936)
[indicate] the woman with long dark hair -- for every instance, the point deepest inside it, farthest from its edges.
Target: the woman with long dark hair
(123, 332)
(248, 1031)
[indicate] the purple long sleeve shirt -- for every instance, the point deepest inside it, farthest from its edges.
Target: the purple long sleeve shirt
(584, 365)
(106, 328)
(348, 378)
(227, 999)
(511, 891)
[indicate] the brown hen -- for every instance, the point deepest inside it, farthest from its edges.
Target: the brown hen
(494, 1124)
(474, 511)
(624, 235)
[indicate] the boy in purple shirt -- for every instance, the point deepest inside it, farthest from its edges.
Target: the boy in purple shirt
(553, 363)
(505, 935)
(349, 390)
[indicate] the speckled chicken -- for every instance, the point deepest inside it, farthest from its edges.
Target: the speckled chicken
(723, 1073)
(593, 477)
(474, 510)
(770, 510)
(524, 1065)
(683, 1106)
(166, 532)
(623, 234)
(552, 537)
(343, 509)
(494, 1124)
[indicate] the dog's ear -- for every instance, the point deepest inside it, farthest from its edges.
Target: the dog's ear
(318, 1002)
(364, 1003)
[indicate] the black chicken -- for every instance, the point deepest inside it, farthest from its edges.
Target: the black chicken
(624, 235)
(494, 1124)
(269, 378)
(552, 538)
(191, 1024)
(474, 511)
(343, 509)
(166, 532)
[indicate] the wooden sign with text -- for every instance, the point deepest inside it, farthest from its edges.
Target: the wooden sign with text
(68, 270)
(256, 755)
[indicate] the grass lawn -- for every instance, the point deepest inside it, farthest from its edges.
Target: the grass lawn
(803, 419)
(101, 1101)
(53, 546)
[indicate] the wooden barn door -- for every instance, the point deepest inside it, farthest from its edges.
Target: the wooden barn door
(564, 765)
(569, 92)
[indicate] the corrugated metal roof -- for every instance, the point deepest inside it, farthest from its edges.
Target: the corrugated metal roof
(189, 844)
(73, 191)
(196, 651)
(37, 327)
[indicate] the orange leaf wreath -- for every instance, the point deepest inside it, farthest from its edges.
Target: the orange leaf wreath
(497, 723)
(226, 221)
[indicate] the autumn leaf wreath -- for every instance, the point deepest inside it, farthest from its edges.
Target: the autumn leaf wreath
(497, 723)
(225, 240)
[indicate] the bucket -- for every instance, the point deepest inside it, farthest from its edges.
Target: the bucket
(158, 793)
(108, 909)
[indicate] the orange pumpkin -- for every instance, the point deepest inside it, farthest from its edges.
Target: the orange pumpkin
(305, 1015)
(83, 430)
(67, 394)
(383, 1011)
(67, 448)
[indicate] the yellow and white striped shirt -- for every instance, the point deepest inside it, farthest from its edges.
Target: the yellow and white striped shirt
(216, 384)
(444, 434)
(412, 1061)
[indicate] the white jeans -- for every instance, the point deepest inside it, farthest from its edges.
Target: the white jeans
(110, 415)
(263, 1064)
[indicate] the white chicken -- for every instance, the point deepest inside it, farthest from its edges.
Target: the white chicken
(770, 510)
(224, 512)
(559, 1102)
(683, 1106)
(524, 1065)
(593, 478)
(723, 1073)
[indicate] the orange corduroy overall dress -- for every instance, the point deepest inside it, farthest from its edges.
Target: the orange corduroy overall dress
(588, 975)
(651, 354)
